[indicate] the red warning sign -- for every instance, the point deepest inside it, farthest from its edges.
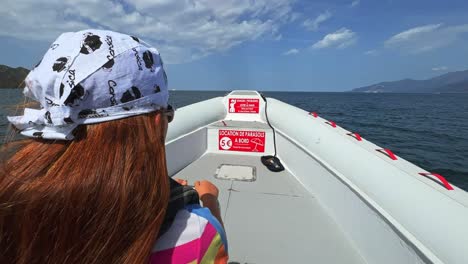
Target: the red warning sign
(244, 105)
(241, 140)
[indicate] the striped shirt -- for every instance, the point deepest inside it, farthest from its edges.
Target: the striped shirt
(195, 236)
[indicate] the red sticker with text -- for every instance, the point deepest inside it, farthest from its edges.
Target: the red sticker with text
(244, 105)
(241, 140)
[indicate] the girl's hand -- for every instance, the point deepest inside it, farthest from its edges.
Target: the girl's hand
(181, 181)
(208, 194)
(206, 189)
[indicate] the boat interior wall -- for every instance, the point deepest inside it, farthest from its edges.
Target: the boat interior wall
(188, 132)
(372, 236)
(183, 151)
(196, 116)
(427, 218)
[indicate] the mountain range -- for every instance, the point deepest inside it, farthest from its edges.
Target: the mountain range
(12, 77)
(452, 82)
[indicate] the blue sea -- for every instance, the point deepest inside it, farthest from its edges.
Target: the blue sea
(430, 130)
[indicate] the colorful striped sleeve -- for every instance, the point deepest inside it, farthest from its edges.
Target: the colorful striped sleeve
(215, 249)
(195, 236)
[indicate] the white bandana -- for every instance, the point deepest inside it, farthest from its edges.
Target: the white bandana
(89, 77)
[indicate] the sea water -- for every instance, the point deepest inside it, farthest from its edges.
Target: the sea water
(429, 130)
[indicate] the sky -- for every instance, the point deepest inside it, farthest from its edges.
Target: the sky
(280, 45)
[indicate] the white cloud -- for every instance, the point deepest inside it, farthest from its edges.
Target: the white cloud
(341, 38)
(181, 30)
(295, 16)
(440, 68)
(412, 33)
(355, 3)
(313, 25)
(371, 52)
(291, 52)
(426, 38)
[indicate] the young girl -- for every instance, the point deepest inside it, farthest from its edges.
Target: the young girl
(90, 183)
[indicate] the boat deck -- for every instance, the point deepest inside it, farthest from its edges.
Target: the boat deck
(272, 219)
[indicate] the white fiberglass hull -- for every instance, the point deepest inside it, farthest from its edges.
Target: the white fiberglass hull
(338, 201)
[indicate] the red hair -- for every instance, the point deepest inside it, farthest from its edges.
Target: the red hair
(98, 199)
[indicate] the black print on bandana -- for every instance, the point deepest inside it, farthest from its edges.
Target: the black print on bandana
(138, 59)
(37, 134)
(112, 84)
(111, 48)
(61, 89)
(86, 112)
(47, 117)
(76, 93)
(71, 78)
(135, 39)
(39, 63)
(130, 95)
(148, 59)
(165, 77)
(108, 65)
(91, 113)
(50, 102)
(59, 64)
(68, 120)
(90, 43)
(157, 89)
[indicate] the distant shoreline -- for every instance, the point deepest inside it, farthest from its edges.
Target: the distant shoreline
(12, 77)
(324, 92)
(452, 82)
(449, 83)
